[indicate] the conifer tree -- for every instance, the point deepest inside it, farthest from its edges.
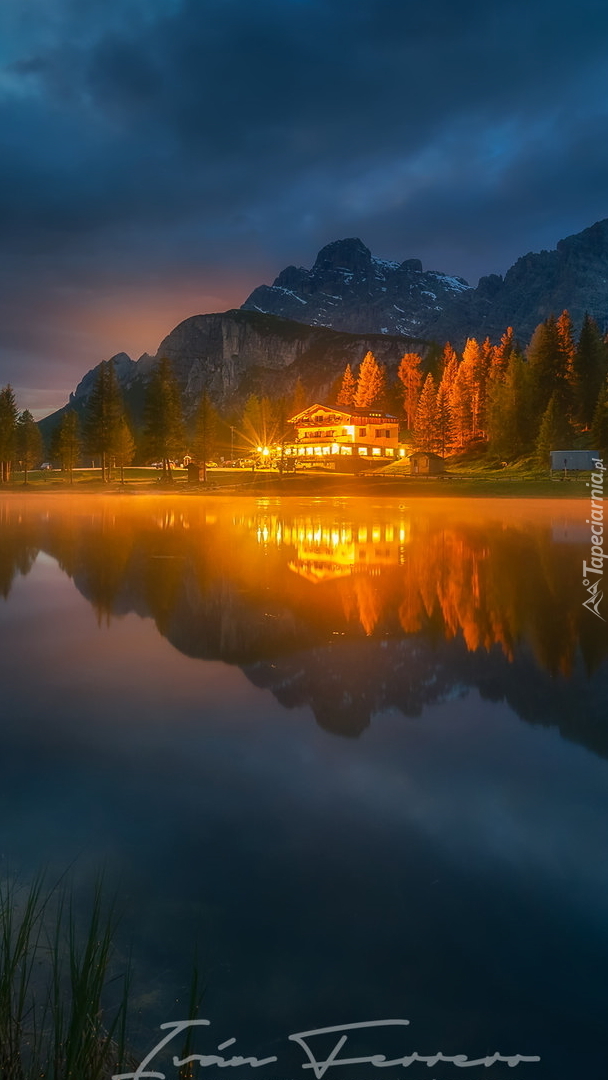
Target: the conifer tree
(548, 367)
(28, 442)
(103, 414)
(508, 424)
(348, 388)
(67, 442)
(8, 428)
(599, 426)
(410, 374)
(206, 426)
(553, 433)
(163, 420)
(124, 447)
(299, 397)
(370, 383)
(426, 433)
(501, 354)
(461, 405)
(445, 434)
(589, 368)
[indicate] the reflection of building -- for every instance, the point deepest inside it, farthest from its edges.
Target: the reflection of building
(324, 553)
(347, 438)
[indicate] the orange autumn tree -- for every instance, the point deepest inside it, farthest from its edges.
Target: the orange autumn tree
(410, 375)
(348, 389)
(370, 383)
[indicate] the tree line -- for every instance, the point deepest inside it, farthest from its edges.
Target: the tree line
(510, 401)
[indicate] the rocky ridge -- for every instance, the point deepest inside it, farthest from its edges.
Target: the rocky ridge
(349, 289)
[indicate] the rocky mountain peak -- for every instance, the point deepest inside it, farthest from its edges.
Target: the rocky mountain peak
(350, 255)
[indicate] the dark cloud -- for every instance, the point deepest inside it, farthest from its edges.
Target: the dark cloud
(197, 148)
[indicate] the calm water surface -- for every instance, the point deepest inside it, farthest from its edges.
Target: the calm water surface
(354, 752)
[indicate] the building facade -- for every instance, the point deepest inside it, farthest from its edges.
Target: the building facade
(344, 437)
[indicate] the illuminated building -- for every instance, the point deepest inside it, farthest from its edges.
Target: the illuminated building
(345, 438)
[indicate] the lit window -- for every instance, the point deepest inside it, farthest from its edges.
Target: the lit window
(389, 451)
(376, 451)
(363, 451)
(346, 450)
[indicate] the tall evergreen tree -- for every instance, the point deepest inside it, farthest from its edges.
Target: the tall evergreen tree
(206, 426)
(8, 430)
(370, 383)
(508, 421)
(599, 426)
(553, 433)
(548, 366)
(102, 417)
(299, 398)
(426, 433)
(124, 447)
(461, 405)
(164, 436)
(67, 445)
(28, 442)
(348, 388)
(410, 374)
(589, 369)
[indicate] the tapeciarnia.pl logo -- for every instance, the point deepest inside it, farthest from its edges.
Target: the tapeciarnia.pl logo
(593, 571)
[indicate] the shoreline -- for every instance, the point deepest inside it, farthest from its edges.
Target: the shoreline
(319, 486)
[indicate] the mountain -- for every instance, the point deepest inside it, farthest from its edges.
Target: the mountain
(349, 289)
(238, 353)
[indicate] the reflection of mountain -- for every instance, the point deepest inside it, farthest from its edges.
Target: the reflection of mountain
(351, 609)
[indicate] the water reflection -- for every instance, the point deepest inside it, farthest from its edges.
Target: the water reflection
(348, 607)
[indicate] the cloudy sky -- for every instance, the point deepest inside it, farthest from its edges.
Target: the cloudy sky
(160, 158)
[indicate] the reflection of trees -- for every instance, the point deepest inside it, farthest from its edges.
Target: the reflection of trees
(18, 546)
(358, 610)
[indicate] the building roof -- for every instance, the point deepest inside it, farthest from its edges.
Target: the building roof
(349, 412)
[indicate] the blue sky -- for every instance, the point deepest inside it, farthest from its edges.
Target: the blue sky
(160, 158)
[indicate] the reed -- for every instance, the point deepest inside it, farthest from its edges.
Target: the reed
(63, 1009)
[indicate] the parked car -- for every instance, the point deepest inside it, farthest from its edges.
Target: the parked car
(46, 465)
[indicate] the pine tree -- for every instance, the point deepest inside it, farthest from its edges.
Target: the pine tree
(370, 383)
(508, 423)
(103, 415)
(67, 444)
(548, 367)
(8, 426)
(553, 433)
(206, 424)
(124, 447)
(410, 374)
(299, 398)
(589, 368)
(461, 405)
(426, 433)
(28, 442)
(163, 420)
(599, 427)
(348, 388)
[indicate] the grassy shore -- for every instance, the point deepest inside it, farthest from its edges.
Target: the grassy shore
(467, 480)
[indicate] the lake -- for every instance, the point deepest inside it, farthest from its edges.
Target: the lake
(353, 752)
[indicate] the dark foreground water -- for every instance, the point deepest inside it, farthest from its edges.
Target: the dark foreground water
(356, 753)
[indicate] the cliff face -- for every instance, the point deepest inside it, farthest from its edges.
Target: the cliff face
(238, 353)
(349, 289)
